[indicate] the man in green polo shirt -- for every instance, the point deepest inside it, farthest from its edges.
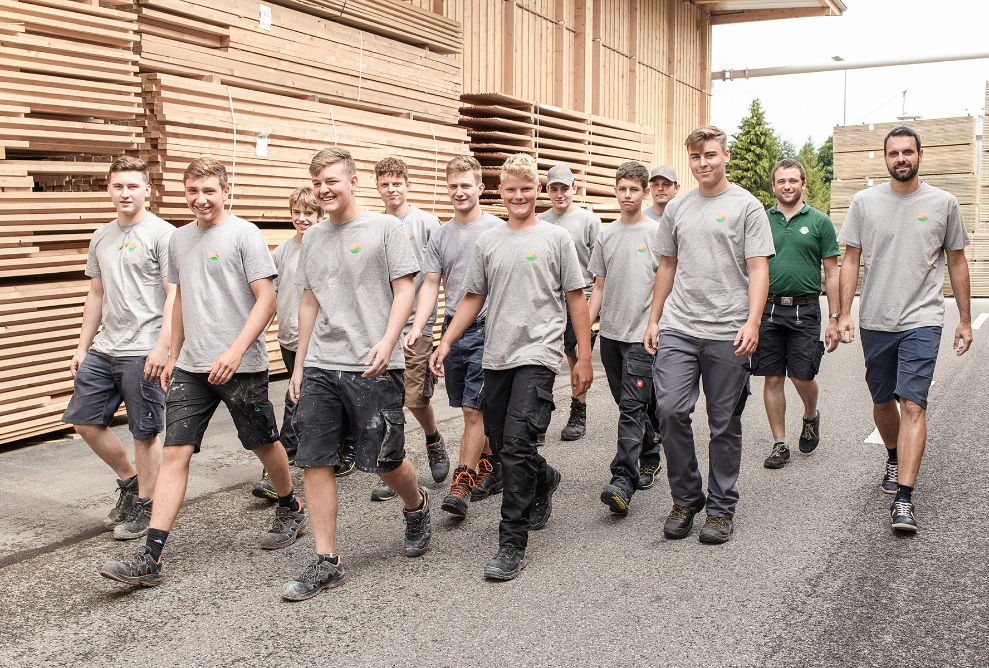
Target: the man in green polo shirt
(789, 336)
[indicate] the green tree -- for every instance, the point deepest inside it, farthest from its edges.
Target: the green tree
(815, 192)
(754, 152)
(825, 158)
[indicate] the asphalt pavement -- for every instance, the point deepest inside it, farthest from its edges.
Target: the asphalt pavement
(813, 575)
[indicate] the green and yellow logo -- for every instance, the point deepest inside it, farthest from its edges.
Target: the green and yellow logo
(721, 218)
(922, 217)
(214, 256)
(641, 248)
(531, 256)
(355, 249)
(411, 237)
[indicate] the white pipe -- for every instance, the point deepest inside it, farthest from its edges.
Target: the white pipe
(730, 75)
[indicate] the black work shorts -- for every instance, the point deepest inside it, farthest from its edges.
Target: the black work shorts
(789, 342)
(191, 402)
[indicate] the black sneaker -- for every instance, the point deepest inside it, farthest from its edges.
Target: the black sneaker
(320, 574)
(716, 530)
(418, 527)
(616, 498)
(888, 484)
(489, 479)
(506, 564)
(810, 437)
(439, 463)
(902, 516)
(126, 498)
(577, 423)
(286, 528)
(778, 458)
(681, 519)
(542, 505)
(141, 570)
(382, 492)
(458, 500)
(647, 475)
(348, 461)
(136, 524)
(263, 489)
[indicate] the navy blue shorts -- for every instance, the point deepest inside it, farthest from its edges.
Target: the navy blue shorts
(462, 368)
(900, 364)
(103, 383)
(570, 339)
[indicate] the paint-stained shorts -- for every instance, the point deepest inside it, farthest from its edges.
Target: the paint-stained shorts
(419, 382)
(191, 402)
(900, 364)
(329, 401)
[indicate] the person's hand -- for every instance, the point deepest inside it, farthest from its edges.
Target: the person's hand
(166, 374)
(831, 335)
(223, 367)
(436, 359)
(651, 338)
(846, 329)
(747, 339)
(76, 361)
(295, 386)
(963, 338)
(155, 364)
(581, 377)
(377, 360)
(410, 340)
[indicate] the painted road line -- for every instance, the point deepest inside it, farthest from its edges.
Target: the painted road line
(980, 320)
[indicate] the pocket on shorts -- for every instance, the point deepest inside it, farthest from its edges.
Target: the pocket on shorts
(392, 449)
(540, 409)
(818, 356)
(152, 417)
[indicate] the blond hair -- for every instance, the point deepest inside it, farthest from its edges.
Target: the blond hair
(304, 198)
(464, 163)
(332, 156)
(520, 166)
(126, 163)
(702, 135)
(204, 167)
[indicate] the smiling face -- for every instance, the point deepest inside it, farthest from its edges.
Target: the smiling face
(465, 192)
(519, 196)
(128, 192)
(903, 158)
(630, 194)
(561, 197)
(707, 164)
(334, 188)
(788, 186)
(206, 198)
(303, 218)
(394, 191)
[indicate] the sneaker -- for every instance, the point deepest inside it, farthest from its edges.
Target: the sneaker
(348, 462)
(382, 492)
(542, 505)
(263, 489)
(577, 423)
(457, 501)
(439, 463)
(418, 527)
(616, 498)
(902, 516)
(889, 477)
(716, 530)
(506, 564)
(681, 519)
(810, 437)
(126, 498)
(141, 570)
(286, 528)
(136, 524)
(647, 475)
(489, 479)
(778, 458)
(540, 439)
(318, 575)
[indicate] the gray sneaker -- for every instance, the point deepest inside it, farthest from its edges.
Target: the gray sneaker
(126, 498)
(136, 524)
(285, 529)
(141, 570)
(418, 527)
(318, 575)
(382, 492)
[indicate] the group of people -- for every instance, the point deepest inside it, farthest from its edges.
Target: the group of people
(697, 290)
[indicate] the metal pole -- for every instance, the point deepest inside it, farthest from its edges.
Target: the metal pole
(844, 112)
(746, 73)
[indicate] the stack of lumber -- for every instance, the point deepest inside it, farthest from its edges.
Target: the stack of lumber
(592, 146)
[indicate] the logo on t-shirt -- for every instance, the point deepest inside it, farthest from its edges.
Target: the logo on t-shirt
(355, 249)
(804, 230)
(531, 256)
(922, 217)
(641, 248)
(721, 218)
(128, 246)
(213, 256)
(411, 237)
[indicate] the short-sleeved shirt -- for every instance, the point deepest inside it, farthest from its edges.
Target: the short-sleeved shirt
(903, 240)
(449, 253)
(214, 268)
(712, 236)
(584, 228)
(420, 227)
(131, 262)
(349, 269)
(801, 243)
(627, 256)
(289, 294)
(524, 274)
(649, 211)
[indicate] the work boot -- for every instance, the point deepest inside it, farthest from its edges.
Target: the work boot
(439, 462)
(126, 498)
(457, 501)
(489, 479)
(577, 424)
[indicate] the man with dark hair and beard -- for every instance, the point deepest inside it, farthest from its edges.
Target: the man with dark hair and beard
(906, 232)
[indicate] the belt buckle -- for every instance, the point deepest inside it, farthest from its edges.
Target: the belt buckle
(786, 301)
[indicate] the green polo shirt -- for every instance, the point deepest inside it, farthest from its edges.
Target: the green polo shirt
(801, 244)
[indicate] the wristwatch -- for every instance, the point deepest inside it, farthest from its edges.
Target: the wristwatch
(832, 315)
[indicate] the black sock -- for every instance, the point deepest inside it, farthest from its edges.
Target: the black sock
(332, 558)
(156, 542)
(289, 501)
(433, 438)
(891, 453)
(903, 493)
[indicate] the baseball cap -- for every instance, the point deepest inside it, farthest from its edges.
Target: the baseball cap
(559, 174)
(665, 171)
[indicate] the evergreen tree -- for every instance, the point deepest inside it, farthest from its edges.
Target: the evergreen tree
(814, 191)
(754, 152)
(825, 158)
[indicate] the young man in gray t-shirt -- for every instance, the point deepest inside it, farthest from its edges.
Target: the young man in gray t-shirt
(905, 232)
(584, 228)
(123, 346)
(711, 286)
(663, 187)
(521, 271)
(224, 300)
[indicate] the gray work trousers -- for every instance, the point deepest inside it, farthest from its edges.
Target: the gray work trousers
(681, 363)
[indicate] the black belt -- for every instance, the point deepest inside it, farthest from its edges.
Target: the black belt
(801, 300)
(474, 325)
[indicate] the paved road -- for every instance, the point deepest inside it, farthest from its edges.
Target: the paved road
(812, 577)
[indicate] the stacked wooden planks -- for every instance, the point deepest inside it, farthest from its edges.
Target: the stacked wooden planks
(593, 147)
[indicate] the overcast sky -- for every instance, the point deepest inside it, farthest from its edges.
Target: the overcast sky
(803, 105)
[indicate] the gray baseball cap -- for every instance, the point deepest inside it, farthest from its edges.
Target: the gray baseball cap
(559, 174)
(665, 171)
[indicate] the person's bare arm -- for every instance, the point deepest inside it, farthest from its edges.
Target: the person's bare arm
(403, 294)
(158, 357)
(662, 287)
(848, 279)
(834, 300)
(468, 310)
(597, 298)
(580, 379)
(308, 311)
(961, 288)
(178, 338)
(747, 339)
(429, 292)
(92, 316)
(226, 364)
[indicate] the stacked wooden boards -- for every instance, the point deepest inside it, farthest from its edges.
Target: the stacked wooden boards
(593, 147)
(949, 162)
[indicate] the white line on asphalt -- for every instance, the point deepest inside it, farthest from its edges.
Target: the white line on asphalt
(980, 320)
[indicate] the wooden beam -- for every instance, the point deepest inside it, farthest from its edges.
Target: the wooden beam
(581, 56)
(633, 60)
(753, 15)
(559, 53)
(508, 48)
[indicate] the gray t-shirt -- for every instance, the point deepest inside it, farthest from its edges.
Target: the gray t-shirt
(131, 262)
(627, 256)
(349, 268)
(289, 296)
(449, 253)
(420, 227)
(524, 274)
(649, 211)
(214, 268)
(584, 227)
(712, 236)
(903, 240)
